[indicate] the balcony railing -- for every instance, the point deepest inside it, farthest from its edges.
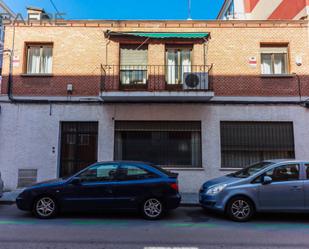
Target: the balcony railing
(156, 78)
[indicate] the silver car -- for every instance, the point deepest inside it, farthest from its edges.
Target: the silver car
(268, 186)
(1, 186)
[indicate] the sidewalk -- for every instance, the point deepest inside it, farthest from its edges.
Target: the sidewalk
(10, 197)
(188, 199)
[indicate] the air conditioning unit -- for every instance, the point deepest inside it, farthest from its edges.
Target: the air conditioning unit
(195, 81)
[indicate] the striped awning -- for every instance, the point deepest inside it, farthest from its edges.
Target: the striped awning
(162, 35)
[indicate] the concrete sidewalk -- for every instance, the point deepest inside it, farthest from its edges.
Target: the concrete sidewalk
(10, 197)
(188, 199)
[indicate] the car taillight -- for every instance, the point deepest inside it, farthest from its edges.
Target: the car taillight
(174, 186)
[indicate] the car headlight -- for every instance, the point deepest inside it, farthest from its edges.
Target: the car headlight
(216, 189)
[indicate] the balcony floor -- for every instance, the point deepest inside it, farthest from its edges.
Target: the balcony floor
(166, 96)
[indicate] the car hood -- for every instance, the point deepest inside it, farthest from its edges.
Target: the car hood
(221, 180)
(51, 182)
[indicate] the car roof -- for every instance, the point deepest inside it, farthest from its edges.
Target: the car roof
(127, 161)
(286, 161)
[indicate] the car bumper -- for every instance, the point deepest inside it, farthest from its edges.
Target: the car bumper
(23, 204)
(211, 202)
(173, 201)
(1, 188)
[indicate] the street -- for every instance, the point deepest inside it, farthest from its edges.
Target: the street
(186, 227)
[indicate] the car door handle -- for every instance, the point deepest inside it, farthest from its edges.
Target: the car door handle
(109, 190)
(296, 188)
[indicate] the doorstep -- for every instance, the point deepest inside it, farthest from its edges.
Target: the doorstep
(187, 199)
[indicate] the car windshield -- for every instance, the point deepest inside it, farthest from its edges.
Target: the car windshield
(251, 170)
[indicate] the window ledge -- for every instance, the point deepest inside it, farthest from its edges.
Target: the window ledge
(37, 75)
(277, 75)
(229, 169)
(184, 169)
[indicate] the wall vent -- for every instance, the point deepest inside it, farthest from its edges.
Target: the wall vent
(26, 177)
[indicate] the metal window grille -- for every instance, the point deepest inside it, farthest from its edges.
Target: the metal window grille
(165, 143)
(243, 143)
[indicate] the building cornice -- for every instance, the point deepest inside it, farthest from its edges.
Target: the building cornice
(165, 24)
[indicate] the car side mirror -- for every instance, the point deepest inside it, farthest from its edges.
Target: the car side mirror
(76, 181)
(267, 180)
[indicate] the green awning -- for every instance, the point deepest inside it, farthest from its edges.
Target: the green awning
(165, 35)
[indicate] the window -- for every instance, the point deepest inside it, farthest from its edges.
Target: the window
(307, 171)
(243, 143)
(274, 59)
(131, 172)
(284, 173)
(133, 64)
(178, 62)
(39, 59)
(164, 143)
(104, 172)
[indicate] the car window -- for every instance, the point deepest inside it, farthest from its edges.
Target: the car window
(284, 173)
(250, 170)
(307, 170)
(98, 173)
(132, 172)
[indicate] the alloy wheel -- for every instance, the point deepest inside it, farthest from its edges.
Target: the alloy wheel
(153, 208)
(45, 207)
(240, 209)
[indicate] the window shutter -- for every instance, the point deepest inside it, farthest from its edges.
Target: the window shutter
(274, 50)
(130, 56)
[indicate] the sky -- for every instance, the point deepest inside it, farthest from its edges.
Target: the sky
(123, 9)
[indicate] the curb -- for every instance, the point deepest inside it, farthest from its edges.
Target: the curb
(181, 204)
(7, 202)
(189, 205)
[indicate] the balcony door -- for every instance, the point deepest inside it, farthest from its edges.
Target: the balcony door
(133, 64)
(178, 63)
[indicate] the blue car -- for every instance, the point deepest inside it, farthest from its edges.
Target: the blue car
(105, 185)
(268, 186)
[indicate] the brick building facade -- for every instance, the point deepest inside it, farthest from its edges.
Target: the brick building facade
(85, 91)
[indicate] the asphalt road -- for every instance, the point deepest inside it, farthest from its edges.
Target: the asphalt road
(184, 228)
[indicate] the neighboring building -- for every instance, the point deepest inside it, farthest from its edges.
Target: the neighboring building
(6, 13)
(264, 10)
(202, 98)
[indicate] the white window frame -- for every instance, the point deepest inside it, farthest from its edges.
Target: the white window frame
(41, 46)
(273, 50)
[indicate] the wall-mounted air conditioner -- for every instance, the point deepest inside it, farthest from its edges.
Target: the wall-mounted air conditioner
(196, 81)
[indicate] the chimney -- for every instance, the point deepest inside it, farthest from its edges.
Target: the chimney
(37, 14)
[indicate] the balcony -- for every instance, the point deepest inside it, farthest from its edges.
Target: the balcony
(156, 83)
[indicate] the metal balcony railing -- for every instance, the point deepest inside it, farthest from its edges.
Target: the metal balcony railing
(156, 78)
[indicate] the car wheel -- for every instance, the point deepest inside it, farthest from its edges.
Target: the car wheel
(45, 207)
(152, 209)
(240, 209)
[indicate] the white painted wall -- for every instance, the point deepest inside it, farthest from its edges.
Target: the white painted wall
(28, 132)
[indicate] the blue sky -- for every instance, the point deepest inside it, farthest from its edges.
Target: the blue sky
(124, 9)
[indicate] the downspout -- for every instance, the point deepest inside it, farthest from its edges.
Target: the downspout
(10, 78)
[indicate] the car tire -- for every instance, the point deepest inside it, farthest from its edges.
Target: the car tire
(45, 207)
(152, 209)
(240, 209)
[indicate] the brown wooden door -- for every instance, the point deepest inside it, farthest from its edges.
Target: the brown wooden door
(79, 145)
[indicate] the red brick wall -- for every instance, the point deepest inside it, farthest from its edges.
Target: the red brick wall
(79, 49)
